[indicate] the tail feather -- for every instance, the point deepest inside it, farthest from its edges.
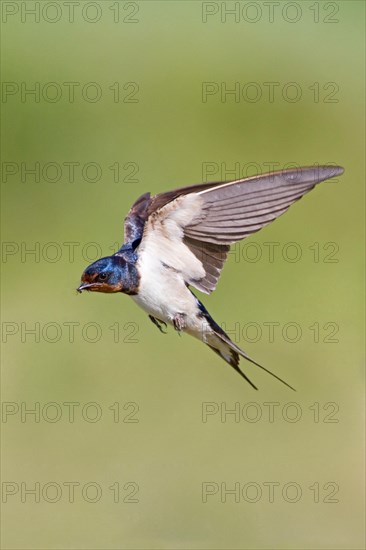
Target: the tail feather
(235, 363)
(233, 359)
(230, 352)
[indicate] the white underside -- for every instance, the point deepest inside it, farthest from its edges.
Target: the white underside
(164, 294)
(166, 265)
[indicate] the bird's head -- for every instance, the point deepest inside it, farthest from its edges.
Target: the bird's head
(104, 275)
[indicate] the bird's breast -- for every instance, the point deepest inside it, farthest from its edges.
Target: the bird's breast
(163, 292)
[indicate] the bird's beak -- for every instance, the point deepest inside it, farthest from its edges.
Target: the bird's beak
(86, 286)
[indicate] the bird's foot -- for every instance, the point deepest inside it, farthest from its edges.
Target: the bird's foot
(179, 321)
(159, 324)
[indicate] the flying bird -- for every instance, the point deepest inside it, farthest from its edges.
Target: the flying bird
(181, 238)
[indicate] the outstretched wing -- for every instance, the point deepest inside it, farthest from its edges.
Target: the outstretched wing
(191, 229)
(235, 210)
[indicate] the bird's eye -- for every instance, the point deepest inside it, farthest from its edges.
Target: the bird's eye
(102, 276)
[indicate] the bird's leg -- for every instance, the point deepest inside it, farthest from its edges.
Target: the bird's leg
(179, 321)
(159, 324)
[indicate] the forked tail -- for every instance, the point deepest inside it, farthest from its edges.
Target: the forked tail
(231, 354)
(221, 344)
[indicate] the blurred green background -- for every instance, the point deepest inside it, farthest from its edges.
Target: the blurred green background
(160, 134)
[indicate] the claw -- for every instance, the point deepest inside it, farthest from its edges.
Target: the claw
(179, 321)
(159, 324)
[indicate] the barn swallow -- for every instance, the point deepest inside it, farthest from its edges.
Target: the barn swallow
(181, 238)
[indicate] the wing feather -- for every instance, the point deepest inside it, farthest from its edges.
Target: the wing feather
(192, 228)
(212, 257)
(136, 218)
(235, 210)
